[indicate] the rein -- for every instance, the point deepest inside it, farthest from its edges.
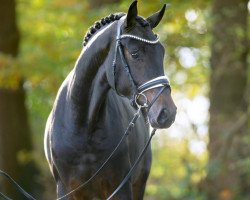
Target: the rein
(26, 194)
(161, 82)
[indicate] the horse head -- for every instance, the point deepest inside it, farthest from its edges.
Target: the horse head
(138, 51)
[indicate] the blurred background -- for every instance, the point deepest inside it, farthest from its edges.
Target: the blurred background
(204, 155)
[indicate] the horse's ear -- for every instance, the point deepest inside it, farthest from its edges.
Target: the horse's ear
(155, 19)
(131, 15)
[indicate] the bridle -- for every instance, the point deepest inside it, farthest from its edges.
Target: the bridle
(161, 82)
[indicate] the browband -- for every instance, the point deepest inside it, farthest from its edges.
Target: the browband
(140, 39)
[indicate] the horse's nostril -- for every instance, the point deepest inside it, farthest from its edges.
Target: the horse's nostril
(163, 116)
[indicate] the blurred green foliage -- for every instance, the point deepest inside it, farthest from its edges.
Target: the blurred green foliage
(175, 172)
(11, 74)
(51, 40)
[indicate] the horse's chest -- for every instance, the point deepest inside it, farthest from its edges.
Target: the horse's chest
(84, 149)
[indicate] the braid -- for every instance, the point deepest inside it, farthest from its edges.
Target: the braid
(99, 24)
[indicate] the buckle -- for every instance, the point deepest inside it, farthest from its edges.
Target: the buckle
(144, 103)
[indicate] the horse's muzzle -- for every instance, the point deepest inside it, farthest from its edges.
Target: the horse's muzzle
(166, 118)
(163, 111)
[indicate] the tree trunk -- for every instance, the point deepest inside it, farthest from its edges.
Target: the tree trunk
(226, 179)
(15, 138)
(9, 35)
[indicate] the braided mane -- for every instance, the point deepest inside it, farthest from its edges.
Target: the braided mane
(99, 24)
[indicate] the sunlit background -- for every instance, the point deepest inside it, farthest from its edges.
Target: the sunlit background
(51, 40)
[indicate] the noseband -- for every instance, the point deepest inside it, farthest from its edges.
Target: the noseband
(160, 81)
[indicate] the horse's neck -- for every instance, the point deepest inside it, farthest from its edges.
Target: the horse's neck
(99, 90)
(88, 85)
(85, 73)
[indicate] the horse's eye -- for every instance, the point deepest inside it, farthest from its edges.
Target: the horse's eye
(135, 55)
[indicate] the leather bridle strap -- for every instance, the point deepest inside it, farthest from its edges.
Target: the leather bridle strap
(126, 66)
(155, 98)
(160, 81)
(118, 50)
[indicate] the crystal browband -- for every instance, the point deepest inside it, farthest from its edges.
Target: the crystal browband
(139, 38)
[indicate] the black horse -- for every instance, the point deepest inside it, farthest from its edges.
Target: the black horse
(93, 108)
